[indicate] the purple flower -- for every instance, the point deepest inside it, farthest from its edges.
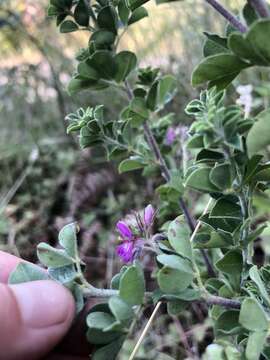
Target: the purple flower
(125, 251)
(124, 230)
(170, 136)
(149, 213)
(131, 243)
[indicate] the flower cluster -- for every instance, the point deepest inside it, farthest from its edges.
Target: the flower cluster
(133, 238)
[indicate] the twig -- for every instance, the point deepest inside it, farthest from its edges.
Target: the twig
(261, 7)
(227, 15)
(155, 148)
(145, 330)
(227, 303)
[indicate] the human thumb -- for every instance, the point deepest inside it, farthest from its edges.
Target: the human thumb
(34, 316)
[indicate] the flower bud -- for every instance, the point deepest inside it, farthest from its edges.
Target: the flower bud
(149, 213)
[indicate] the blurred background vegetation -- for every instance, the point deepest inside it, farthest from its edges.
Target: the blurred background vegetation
(47, 181)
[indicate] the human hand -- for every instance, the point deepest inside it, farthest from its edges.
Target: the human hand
(34, 316)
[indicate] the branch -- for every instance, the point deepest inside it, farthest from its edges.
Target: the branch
(228, 15)
(92, 292)
(155, 148)
(224, 302)
(261, 7)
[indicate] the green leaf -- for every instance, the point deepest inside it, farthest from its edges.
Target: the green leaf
(219, 69)
(211, 240)
(255, 345)
(68, 26)
(259, 135)
(252, 315)
(99, 320)
(123, 11)
(25, 272)
(63, 4)
(161, 92)
(166, 90)
(115, 282)
(231, 264)
(214, 352)
(86, 71)
(252, 166)
(258, 37)
(60, 18)
(187, 295)
(64, 274)
(226, 209)
(99, 337)
(52, 257)
(54, 11)
(78, 297)
(109, 351)
(134, 4)
(68, 239)
(138, 107)
(137, 15)
(175, 262)
(242, 48)
(103, 62)
(195, 142)
(221, 176)
(107, 19)
(253, 46)
(81, 13)
(76, 85)
(208, 156)
(158, 2)
(263, 175)
(179, 237)
(129, 165)
(255, 276)
(102, 39)
(249, 14)
(214, 45)
(132, 285)
(176, 307)
(126, 61)
(173, 281)
(227, 323)
(199, 180)
(120, 309)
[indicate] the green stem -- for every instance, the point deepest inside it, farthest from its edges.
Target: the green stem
(93, 292)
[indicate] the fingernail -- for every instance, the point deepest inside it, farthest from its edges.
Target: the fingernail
(43, 303)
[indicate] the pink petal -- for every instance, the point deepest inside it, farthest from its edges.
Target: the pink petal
(125, 251)
(149, 213)
(124, 230)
